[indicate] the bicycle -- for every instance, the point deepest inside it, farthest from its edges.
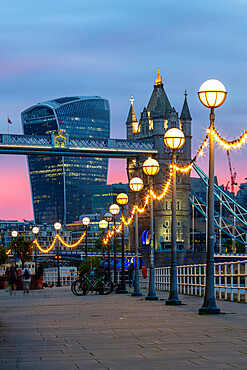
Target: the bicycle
(95, 284)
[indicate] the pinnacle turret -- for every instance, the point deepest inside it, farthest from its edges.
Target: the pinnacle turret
(164, 101)
(131, 116)
(185, 114)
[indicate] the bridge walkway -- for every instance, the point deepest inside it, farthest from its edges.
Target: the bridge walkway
(53, 329)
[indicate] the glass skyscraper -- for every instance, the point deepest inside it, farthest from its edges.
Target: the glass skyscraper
(62, 186)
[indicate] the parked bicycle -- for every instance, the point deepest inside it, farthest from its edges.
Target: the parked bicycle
(87, 284)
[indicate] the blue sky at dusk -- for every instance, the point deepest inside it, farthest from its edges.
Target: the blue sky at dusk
(51, 49)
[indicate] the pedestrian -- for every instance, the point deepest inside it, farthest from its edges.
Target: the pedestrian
(12, 278)
(26, 279)
(131, 274)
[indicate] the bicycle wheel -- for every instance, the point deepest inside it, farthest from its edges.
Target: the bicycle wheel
(73, 288)
(80, 288)
(106, 287)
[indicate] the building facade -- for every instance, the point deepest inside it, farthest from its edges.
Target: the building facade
(158, 117)
(105, 195)
(62, 186)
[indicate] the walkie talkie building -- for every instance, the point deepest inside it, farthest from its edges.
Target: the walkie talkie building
(62, 186)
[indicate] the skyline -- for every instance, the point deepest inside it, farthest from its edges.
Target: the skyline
(114, 50)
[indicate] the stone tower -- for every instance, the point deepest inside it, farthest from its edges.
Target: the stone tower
(156, 119)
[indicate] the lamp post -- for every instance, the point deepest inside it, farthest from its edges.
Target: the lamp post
(103, 225)
(174, 139)
(35, 231)
(86, 222)
(114, 210)
(136, 185)
(14, 234)
(108, 217)
(122, 199)
(151, 168)
(57, 227)
(212, 94)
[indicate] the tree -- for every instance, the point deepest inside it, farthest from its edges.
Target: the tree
(87, 265)
(23, 248)
(3, 256)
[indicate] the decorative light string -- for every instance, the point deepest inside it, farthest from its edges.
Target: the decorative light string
(183, 169)
(61, 240)
(71, 245)
(188, 166)
(49, 248)
(232, 144)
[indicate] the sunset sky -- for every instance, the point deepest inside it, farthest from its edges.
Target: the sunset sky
(55, 48)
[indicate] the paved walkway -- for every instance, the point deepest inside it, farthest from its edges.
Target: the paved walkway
(53, 329)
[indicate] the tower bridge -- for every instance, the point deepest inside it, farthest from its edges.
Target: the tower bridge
(61, 144)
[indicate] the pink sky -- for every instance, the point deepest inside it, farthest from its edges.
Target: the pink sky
(15, 193)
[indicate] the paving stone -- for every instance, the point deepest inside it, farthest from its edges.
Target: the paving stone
(56, 330)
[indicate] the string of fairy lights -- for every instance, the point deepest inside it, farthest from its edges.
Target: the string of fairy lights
(226, 144)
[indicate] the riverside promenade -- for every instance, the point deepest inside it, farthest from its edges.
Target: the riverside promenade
(53, 329)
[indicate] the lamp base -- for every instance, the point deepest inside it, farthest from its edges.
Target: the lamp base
(134, 294)
(151, 298)
(209, 311)
(123, 291)
(173, 302)
(59, 285)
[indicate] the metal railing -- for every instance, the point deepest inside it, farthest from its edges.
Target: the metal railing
(66, 277)
(230, 280)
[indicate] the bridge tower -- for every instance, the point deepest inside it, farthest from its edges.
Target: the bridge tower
(155, 120)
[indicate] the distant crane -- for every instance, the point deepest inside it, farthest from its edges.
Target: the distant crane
(233, 174)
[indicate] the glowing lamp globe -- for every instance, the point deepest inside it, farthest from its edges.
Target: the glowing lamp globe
(151, 167)
(122, 199)
(14, 233)
(174, 139)
(86, 221)
(103, 224)
(57, 226)
(212, 93)
(108, 217)
(114, 209)
(136, 184)
(35, 230)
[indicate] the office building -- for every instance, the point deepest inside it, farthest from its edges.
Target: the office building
(62, 186)
(105, 195)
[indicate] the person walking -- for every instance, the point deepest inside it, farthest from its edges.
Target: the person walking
(26, 279)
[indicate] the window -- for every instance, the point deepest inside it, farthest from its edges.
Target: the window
(178, 205)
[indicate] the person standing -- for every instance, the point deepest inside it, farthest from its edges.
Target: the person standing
(26, 279)
(12, 278)
(131, 274)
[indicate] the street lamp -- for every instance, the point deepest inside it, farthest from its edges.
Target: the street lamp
(174, 139)
(14, 234)
(114, 210)
(108, 218)
(212, 94)
(57, 227)
(151, 167)
(35, 231)
(122, 199)
(103, 225)
(86, 222)
(136, 185)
